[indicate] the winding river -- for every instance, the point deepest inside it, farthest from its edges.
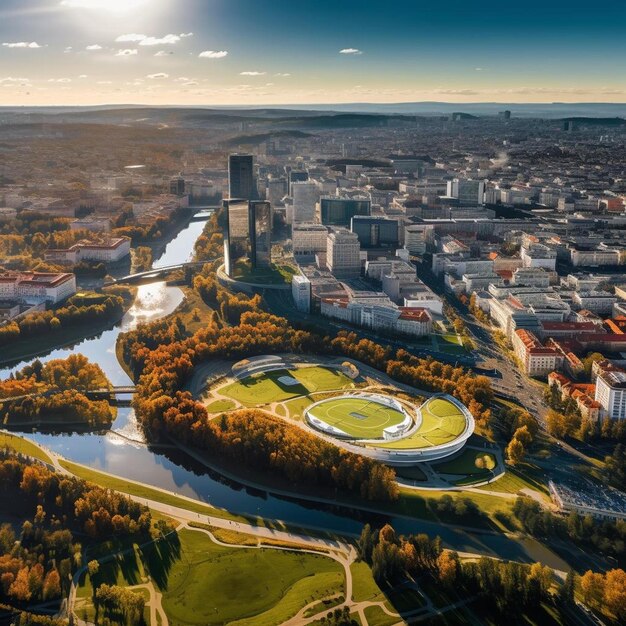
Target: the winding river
(124, 452)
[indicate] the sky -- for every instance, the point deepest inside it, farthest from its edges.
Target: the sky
(257, 52)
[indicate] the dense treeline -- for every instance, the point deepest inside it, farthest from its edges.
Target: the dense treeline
(607, 537)
(507, 588)
(139, 233)
(37, 562)
(506, 585)
(119, 605)
(68, 316)
(262, 442)
(60, 385)
(24, 618)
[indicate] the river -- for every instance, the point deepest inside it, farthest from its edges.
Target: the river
(123, 451)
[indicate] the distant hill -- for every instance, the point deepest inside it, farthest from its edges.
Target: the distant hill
(256, 139)
(595, 121)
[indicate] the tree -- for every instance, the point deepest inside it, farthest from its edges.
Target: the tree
(592, 587)
(515, 451)
(615, 593)
(448, 567)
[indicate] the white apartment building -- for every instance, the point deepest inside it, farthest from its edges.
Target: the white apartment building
(308, 239)
(600, 302)
(531, 277)
(468, 192)
(301, 292)
(305, 196)
(93, 224)
(109, 251)
(594, 258)
(37, 286)
(611, 393)
(417, 237)
(343, 253)
(536, 359)
(538, 255)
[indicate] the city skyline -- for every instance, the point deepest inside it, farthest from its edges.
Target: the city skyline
(213, 52)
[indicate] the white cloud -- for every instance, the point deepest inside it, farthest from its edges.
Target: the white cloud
(160, 41)
(104, 82)
(479, 69)
(13, 79)
(82, 76)
(283, 74)
(252, 73)
(126, 52)
(190, 83)
(130, 37)
(213, 54)
(22, 44)
(350, 51)
(59, 80)
(162, 53)
(184, 35)
(93, 46)
(158, 76)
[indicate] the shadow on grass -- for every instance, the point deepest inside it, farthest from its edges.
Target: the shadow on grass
(159, 557)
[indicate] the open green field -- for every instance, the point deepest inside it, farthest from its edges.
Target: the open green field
(449, 343)
(360, 418)
(268, 387)
(205, 583)
(219, 406)
(213, 584)
(470, 461)
(23, 446)
(442, 422)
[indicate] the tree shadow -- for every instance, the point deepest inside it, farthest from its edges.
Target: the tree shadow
(159, 557)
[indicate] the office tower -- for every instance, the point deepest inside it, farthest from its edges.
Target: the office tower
(375, 232)
(297, 176)
(177, 186)
(241, 181)
(260, 216)
(236, 233)
(339, 211)
(417, 237)
(468, 192)
(276, 190)
(305, 195)
(343, 256)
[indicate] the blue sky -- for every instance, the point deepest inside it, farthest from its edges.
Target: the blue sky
(281, 52)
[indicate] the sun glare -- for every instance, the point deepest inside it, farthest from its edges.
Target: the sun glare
(111, 6)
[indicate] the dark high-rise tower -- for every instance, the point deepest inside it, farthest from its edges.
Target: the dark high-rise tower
(241, 183)
(247, 234)
(260, 215)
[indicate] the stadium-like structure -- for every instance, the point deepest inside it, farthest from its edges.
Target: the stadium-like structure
(393, 432)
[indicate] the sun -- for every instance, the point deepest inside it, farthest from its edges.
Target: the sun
(109, 6)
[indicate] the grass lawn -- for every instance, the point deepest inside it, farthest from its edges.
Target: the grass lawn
(144, 491)
(468, 462)
(358, 417)
(513, 482)
(442, 422)
(273, 275)
(23, 446)
(212, 584)
(296, 407)
(265, 388)
(375, 616)
(364, 587)
(219, 406)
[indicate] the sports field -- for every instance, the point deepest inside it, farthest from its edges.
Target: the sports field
(442, 422)
(282, 385)
(360, 418)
